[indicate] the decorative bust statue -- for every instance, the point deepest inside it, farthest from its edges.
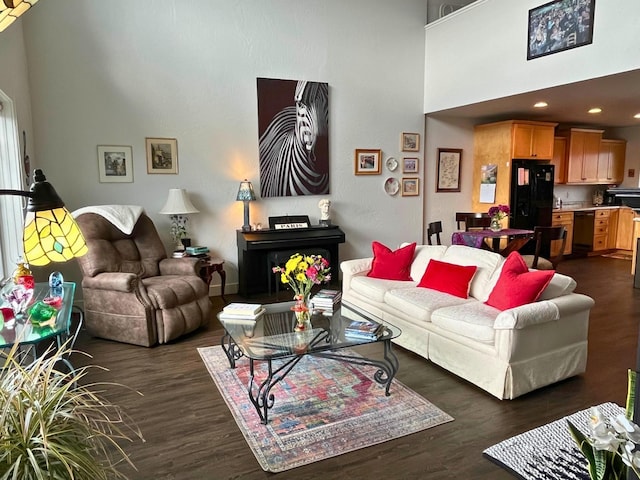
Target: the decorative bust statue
(324, 205)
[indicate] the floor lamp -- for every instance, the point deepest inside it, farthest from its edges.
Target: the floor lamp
(50, 232)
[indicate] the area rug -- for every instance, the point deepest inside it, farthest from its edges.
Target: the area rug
(322, 409)
(548, 452)
(619, 255)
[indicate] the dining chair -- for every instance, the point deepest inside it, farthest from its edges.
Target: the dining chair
(543, 237)
(434, 228)
(477, 221)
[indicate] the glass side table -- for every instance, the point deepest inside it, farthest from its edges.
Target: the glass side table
(29, 336)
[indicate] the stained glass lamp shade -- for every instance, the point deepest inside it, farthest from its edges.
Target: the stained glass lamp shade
(50, 232)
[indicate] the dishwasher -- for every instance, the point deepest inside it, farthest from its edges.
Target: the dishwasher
(583, 225)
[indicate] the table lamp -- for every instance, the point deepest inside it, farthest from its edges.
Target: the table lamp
(50, 232)
(178, 206)
(246, 195)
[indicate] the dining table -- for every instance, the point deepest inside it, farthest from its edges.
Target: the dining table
(516, 238)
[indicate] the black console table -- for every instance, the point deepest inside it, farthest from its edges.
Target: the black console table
(254, 246)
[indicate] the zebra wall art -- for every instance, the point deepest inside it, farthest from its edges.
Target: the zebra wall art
(293, 129)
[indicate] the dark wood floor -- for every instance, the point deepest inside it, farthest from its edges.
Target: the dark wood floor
(190, 433)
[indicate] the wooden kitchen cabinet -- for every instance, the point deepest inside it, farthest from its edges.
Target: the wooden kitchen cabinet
(611, 160)
(583, 154)
(564, 219)
(624, 229)
(532, 141)
(601, 229)
(498, 144)
(559, 160)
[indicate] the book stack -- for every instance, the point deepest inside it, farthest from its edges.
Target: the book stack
(197, 251)
(242, 311)
(363, 330)
(326, 300)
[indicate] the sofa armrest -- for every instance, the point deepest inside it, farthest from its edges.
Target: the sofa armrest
(118, 281)
(541, 312)
(179, 266)
(352, 268)
(357, 266)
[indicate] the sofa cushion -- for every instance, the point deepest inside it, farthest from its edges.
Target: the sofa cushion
(486, 261)
(472, 320)
(558, 286)
(391, 264)
(517, 285)
(417, 304)
(421, 258)
(375, 288)
(448, 278)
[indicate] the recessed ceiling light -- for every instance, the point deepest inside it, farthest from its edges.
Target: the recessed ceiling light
(637, 115)
(540, 104)
(595, 110)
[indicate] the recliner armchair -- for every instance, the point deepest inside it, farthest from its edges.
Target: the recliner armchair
(132, 292)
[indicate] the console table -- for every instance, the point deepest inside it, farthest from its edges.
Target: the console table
(254, 246)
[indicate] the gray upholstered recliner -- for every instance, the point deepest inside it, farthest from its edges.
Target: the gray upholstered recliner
(132, 292)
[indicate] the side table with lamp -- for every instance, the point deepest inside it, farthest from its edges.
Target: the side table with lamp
(178, 207)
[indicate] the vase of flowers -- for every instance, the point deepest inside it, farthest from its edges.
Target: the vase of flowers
(497, 213)
(301, 273)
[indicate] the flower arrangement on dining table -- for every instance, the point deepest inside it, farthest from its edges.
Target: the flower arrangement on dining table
(301, 273)
(497, 213)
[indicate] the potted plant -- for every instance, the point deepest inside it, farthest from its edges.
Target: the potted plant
(52, 426)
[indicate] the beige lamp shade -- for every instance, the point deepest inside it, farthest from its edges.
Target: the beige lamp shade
(178, 203)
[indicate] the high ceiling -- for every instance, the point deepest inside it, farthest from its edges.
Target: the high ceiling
(617, 95)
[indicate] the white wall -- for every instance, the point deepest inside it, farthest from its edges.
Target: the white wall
(448, 133)
(632, 136)
(113, 73)
(483, 50)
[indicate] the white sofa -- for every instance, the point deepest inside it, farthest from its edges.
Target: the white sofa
(507, 353)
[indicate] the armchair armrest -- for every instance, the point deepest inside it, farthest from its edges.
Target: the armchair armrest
(543, 311)
(179, 266)
(118, 281)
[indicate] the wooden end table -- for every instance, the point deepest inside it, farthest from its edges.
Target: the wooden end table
(207, 268)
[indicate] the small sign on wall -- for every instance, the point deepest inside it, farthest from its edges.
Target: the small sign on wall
(488, 180)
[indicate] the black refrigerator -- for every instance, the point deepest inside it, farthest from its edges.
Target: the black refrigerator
(531, 196)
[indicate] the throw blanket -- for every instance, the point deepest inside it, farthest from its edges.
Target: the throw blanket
(124, 217)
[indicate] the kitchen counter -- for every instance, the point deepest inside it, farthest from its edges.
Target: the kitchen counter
(585, 209)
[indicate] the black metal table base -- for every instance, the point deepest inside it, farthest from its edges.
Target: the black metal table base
(260, 394)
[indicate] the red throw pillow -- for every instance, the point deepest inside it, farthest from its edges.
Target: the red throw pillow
(448, 278)
(392, 265)
(517, 285)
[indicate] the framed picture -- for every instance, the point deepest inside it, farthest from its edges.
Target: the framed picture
(410, 187)
(448, 170)
(368, 162)
(410, 142)
(115, 164)
(559, 25)
(410, 165)
(162, 155)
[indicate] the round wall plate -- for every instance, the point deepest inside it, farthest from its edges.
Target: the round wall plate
(391, 186)
(392, 164)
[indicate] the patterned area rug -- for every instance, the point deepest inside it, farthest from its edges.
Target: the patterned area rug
(322, 409)
(548, 452)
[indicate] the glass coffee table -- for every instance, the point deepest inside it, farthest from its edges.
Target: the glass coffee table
(272, 339)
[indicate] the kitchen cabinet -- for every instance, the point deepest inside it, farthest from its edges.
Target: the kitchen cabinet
(564, 219)
(624, 229)
(498, 144)
(611, 160)
(582, 155)
(532, 141)
(601, 229)
(559, 160)
(591, 230)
